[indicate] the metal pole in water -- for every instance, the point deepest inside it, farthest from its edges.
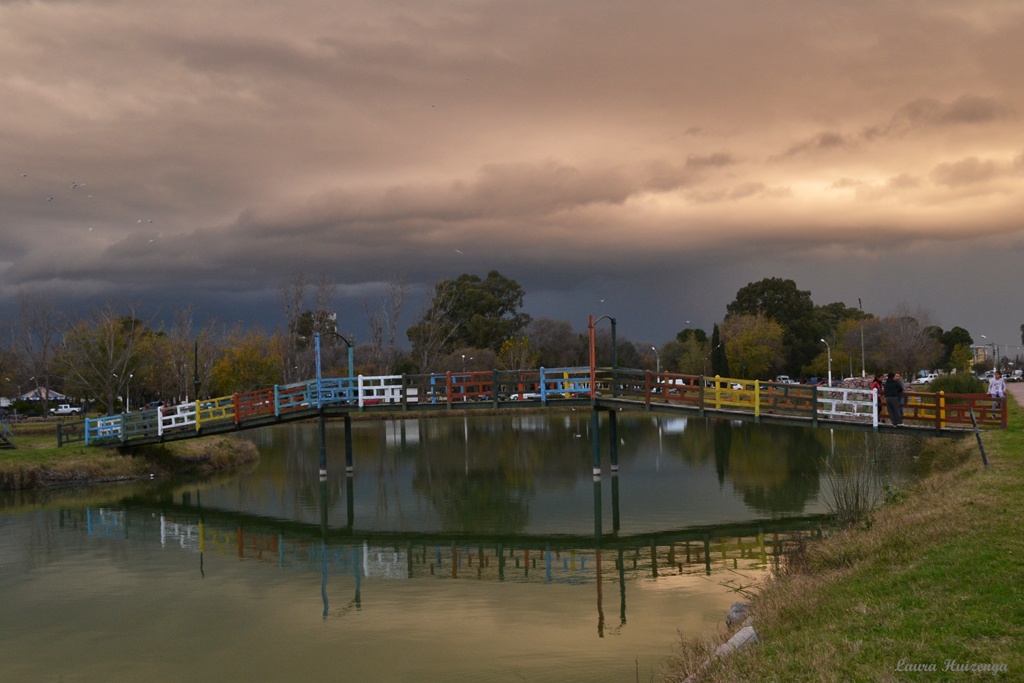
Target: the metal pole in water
(348, 446)
(322, 429)
(595, 440)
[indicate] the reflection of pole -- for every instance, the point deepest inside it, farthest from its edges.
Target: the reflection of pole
(622, 587)
(322, 432)
(323, 545)
(615, 503)
(595, 440)
(597, 552)
(350, 503)
(613, 440)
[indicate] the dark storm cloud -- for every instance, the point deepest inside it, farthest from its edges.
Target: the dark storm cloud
(664, 154)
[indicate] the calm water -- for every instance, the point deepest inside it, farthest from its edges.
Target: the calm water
(477, 549)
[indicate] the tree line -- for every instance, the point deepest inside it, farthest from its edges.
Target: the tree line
(112, 356)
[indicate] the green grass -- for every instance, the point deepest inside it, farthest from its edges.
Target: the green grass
(933, 577)
(37, 461)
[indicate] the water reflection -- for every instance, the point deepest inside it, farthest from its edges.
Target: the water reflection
(478, 548)
(344, 556)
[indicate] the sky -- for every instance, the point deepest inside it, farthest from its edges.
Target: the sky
(643, 160)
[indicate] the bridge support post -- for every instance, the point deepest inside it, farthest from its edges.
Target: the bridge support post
(348, 446)
(595, 440)
(322, 430)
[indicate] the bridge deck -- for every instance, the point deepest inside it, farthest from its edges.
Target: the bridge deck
(601, 389)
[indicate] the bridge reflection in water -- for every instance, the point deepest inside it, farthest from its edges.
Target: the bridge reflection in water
(605, 557)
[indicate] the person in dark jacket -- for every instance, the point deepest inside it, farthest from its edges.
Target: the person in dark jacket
(894, 399)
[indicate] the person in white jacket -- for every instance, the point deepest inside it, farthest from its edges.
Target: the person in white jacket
(997, 389)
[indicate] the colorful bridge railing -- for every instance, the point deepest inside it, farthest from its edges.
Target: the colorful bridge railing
(623, 387)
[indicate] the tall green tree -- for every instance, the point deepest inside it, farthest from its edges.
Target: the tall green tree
(792, 308)
(468, 311)
(950, 340)
(753, 344)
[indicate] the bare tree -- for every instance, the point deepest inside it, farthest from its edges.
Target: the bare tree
(101, 355)
(905, 344)
(293, 293)
(435, 330)
(36, 336)
(383, 324)
(556, 343)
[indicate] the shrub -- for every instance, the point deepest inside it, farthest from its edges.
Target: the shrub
(960, 383)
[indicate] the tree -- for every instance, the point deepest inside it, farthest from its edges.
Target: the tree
(753, 344)
(36, 337)
(905, 345)
(250, 360)
(692, 333)
(469, 312)
(685, 356)
(719, 358)
(101, 356)
(557, 344)
(302, 323)
(960, 359)
(791, 308)
(950, 340)
(383, 323)
(517, 354)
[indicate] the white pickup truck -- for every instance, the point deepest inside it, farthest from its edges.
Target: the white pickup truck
(65, 409)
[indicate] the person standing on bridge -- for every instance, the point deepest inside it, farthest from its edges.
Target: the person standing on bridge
(894, 399)
(876, 386)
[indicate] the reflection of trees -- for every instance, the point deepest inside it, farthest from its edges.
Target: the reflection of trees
(777, 470)
(482, 483)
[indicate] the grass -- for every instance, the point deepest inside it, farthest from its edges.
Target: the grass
(930, 580)
(37, 461)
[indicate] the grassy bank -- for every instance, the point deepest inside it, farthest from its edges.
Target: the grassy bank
(37, 462)
(928, 587)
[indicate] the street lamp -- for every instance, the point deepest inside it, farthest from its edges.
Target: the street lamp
(657, 359)
(351, 363)
(861, 306)
(710, 353)
(829, 361)
(593, 352)
(127, 391)
(995, 353)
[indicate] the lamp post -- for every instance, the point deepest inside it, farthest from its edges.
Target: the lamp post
(127, 391)
(351, 363)
(995, 353)
(593, 353)
(829, 347)
(861, 306)
(710, 353)
(657, 359)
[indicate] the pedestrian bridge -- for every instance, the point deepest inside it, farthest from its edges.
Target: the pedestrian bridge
(602, 389)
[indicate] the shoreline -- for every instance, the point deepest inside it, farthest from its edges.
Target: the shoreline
(43, 469)
(928, 577)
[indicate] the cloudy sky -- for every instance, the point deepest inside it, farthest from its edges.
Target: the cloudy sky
(641, 159)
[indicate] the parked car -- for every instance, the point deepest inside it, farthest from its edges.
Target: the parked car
(785, 379)
(925, 379)
(65, 409)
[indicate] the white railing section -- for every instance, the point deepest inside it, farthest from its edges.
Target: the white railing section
(842, 402)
